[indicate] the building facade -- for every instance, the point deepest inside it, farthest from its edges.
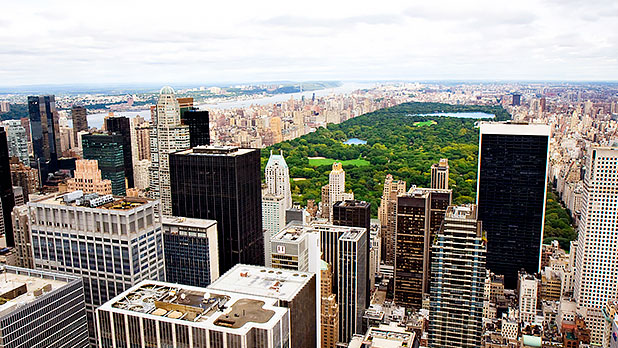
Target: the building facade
(296, 247)
(457, 285)
(21, 232)
(79, 115)
(17, 140)
(121, 125)
(387, 214)
(87, 177)
(329, 309)
(439, 174)
(511, 190)
(45, 134)
(352, 282)
(420, 213)
(113, 243)
(273, 220)
(108, 151)
(222, 184)
(199, 126)
(167, 135)
(191, 251)
(29, 296)
(597, 247)
(7, 197)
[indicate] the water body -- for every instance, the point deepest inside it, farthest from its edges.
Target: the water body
(96, 120)
(459, 114)
(355, 141)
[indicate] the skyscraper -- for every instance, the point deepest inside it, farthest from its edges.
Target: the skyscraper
(222, 184)
(420, 213)
(329, 316)
(439, 174)
(191, 250)
(41, 309)
(511, 190)
(296, 247)
(7, 199)
(199, 126)
(79, 114)
(112, 243)
(356, 214)
(352, 282)
(108, 150)
(273, 220)
(336, 188)
(167, 135)
(387, 214)
(457, 284)
(277, 175)
(120, 125)
(45, 134)
(17, 140)
(516, 99)
(596, 282)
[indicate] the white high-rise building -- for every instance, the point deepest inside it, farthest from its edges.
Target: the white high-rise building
(528, 289)
(596, 270)
(111, 242)
(167, 135)
(336, 188)
(140, 174)
(273, 220)
(17, 140)
(278, 178)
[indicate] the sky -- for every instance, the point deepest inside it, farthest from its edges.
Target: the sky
(214, 42)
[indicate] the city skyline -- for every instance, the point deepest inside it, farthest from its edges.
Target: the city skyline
(232, 41)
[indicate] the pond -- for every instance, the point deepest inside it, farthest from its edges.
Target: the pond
(355, 141)
(459, 114)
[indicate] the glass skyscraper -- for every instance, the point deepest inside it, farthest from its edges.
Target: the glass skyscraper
(45, 134)
(7, 198)
(120, 125)
(108, 149)
(512, 183)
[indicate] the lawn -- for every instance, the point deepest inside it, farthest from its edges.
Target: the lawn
(425, 123)
(315, 162)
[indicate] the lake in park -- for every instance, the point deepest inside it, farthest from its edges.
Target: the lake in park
(355, 141)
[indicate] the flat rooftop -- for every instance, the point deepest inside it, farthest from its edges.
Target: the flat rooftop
(187, 222)
(292, 232)
(196, 306)
(93, 200)
(385, 336)
(352, 203)
(210, 150)
(262, 281)
(18, 289)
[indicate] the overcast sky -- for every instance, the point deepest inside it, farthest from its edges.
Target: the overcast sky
(210, 41)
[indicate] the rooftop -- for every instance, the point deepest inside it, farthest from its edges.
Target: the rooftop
(511, 128)
(211, 150)
(20, 286)
(385, 336)
(262, 281)
(292, 232)
(352, 203)
(187, 222)
(93, 200)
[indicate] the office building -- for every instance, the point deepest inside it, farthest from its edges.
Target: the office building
(386, 336)
(108, 151)
(41, 309)
(167, 136)
(439, 174)
(516, 99)
(19, 195)
(198, 122)
(457, 284)
(140, 139)
(24, 177)
(597, 249)
(79, 114)
(296, 247)
(87, 178)
(329, 309)
(191, 251)
(329, 245)
(275, 128)
(45, 134)
(21, 232)
(120, 125)
(277, 177)
(17, 140)
(112, 242)
(222, 184)
(336, 188)
(511, 190)
(387, 214)
(420, 213)
(528, 287)
(356, 214)
(7, 198)
(172, 315)
(352, 282)
(140, 174)
(295, 290)
(273, 220)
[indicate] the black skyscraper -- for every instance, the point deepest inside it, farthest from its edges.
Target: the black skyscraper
(120, 125)
(355, 214)
(511, 196)
(45, 134)
(199, 128)
(222, 184)
(6, 189)
(107, 149)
